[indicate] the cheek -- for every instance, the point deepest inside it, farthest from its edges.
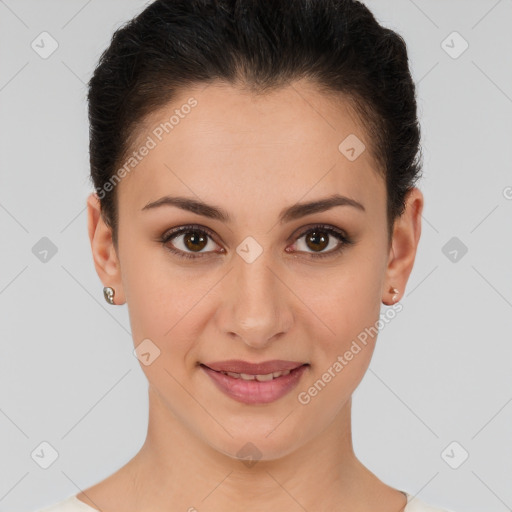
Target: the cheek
(162, 303)
(347, 306)
(159, 294)
(348, 299)
(341, 357)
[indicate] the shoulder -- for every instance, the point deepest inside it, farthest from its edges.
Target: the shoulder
(416, 505)
(69, 504)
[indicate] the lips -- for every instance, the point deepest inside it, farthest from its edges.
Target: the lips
(263, 368)
(264, 388)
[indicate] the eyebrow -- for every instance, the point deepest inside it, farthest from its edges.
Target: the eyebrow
(287, 215)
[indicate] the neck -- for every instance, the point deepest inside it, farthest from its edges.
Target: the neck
(177, 470)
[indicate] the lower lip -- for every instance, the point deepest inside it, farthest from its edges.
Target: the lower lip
(253, 391)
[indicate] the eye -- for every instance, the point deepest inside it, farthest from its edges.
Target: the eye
(189, 238)
(320, 236)
(196, 238)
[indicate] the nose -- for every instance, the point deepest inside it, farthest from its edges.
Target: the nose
(256, 305)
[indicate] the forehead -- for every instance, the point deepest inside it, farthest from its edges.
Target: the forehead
(220, 142)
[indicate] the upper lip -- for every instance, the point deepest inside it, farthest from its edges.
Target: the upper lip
(263, 368)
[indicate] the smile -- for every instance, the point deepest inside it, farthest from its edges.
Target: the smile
(259, 378)
(256, 389)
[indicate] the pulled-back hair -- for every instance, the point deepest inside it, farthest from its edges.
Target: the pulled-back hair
(259, 45)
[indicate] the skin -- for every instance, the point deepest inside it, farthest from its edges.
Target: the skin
(252, 156)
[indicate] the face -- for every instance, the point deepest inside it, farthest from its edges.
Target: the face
(253, 276)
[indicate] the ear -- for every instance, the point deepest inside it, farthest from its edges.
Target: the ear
(104, 254)
(405, 239)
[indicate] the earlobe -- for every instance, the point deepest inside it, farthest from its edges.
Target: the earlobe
(104, 254)
(405, 240)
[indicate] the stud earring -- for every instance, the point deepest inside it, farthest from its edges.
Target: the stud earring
(395, 296)
(108, 293)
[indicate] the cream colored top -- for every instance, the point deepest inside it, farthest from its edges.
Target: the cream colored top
(73, 504)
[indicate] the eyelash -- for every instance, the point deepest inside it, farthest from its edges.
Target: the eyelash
(170, 235)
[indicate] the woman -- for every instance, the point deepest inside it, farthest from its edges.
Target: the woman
(254, 166)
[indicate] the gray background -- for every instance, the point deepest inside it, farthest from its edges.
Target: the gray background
(442, 368)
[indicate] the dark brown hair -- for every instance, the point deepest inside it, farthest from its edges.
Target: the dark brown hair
(259, 45)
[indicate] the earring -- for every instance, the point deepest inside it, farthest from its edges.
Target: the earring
(395, 296)
(108, 293)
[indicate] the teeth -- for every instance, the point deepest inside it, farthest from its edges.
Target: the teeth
(259, 378)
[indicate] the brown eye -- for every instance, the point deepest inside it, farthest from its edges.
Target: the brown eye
(187, 240)
(318, 238)
(195, 240)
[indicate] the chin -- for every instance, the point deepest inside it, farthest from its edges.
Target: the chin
(266, 440)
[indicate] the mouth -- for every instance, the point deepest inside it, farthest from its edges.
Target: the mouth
(260, 377)
(245, 367)
(256, 388)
